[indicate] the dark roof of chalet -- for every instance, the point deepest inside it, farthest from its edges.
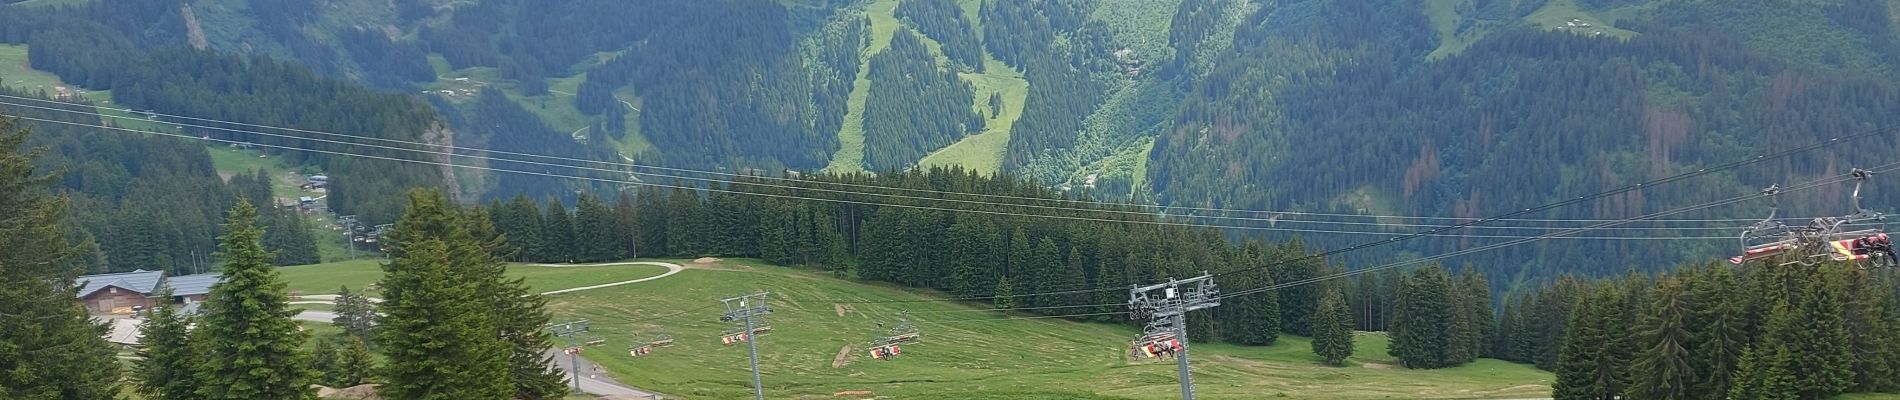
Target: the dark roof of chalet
(191, 285)
(140, 281)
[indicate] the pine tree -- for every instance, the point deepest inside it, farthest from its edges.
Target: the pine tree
(355, 314)
(1005, 296)
(1718, 334)
(686, 224)
(520, 220)
(1762, 374)
(1332, 330)
(1422, 334)
(1591, 361)
(1811, 326)
(1257, 317)
(354, 363)
(323, 362)
(557, 234)
(1869, 333)
(1482, 316)
(626, 224)
(53, 350)
(247, 326)
(972, 244)
(654, 216)
(1297, 303)
(164, 371)
(517, 312)
(595, 238)
(1662, 370)
(437, 329)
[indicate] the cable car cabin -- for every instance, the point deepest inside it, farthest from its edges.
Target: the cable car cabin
(641, 351)
(886, 352)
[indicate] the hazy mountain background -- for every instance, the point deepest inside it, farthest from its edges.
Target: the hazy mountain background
(1448, 108)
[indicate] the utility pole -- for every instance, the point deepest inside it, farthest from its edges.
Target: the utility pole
(568, 330)
(1166, 306)
(349, 233)
(744, 308)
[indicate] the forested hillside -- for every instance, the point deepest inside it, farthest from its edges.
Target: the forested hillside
(1381, 107)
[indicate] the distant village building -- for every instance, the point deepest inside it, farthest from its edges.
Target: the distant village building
(119, 293)
(125, 292)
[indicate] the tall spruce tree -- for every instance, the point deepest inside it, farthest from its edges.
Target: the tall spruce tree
(626, 224)
(1297, 303)
(1422, 334)
(557, 234)
(1591, 363)
(520, 220)
(1762, 374)
(166, 362)
(1868, 321)
(517, 311)
(354, 363)
(972, 244)
(1811, 326)
(355, 314)
(1257, 317)
(1662, 369)
(686, 223)
(1481, 315)
(595, 238)
(437, 330)
(1332, 330)
(52, 349)
(247, 326)
(1718, 332)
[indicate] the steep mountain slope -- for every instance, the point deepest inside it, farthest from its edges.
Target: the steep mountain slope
(1382, 107)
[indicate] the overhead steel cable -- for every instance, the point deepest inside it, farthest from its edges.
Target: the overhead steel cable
(452, 153)
(1432, 232)
(1308, 281)
(1277, 215)
(1313, 280)
(1578, 199)
(1157, 220)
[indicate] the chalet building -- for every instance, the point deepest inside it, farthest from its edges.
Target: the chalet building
(120, 293)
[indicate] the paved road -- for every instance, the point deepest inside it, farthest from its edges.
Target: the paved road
(593, 383)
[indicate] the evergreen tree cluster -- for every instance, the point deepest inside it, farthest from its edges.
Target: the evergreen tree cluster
(964, 254)
(915, 106)
(944, 21)
(1441, 320)
(1765, 332)
(452, 325)
(49, 348)
(91, 47)
(152, 203)
(243, 344)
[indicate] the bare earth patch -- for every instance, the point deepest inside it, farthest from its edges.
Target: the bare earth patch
(1377, 366)
(844, 357)
(853, 393)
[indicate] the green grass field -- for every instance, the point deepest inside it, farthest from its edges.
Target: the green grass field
(358, 274)
(966, 352)
(984, 152)
(16, 72)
